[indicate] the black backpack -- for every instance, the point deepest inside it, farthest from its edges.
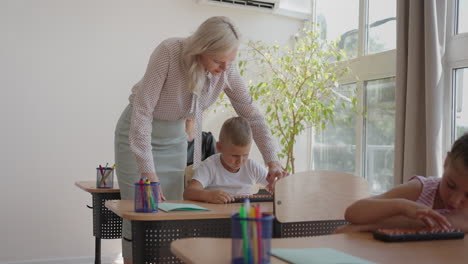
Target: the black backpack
(208, 147)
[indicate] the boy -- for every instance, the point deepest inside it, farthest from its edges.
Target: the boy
(229, 172)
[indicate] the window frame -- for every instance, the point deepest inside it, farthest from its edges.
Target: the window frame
(367, 67)
(456, 56)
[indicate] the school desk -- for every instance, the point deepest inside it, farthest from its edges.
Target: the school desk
(152, 233)
(362, 245)
(106, 224)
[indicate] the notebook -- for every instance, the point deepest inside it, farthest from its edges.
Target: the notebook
(167, 207)
(316, 255)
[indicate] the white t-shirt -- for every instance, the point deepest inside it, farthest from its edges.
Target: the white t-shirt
(213, 176)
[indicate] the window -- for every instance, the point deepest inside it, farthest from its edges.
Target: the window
(381, 28)
(339, 20)
(366, 30)
(462, 16)
(461, 102)
(457, 70)
(379, 133)
(335, 147)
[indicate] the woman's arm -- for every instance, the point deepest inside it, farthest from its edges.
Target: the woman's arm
(243, 104)
(144, 101)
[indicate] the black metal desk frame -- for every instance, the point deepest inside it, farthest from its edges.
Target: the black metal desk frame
(152, 239)
(305, 229)
(106, 224)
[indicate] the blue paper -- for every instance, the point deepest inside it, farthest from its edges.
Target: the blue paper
(316, 256)
(180, 207)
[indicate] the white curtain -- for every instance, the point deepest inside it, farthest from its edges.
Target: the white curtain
(419, 88)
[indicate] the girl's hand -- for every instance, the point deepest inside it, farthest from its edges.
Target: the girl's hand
(275, 172)
(430, 217)
(433, 219)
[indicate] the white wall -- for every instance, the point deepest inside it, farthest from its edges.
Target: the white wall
(66, 70)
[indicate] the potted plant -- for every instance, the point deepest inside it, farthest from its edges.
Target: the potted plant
(297, 86)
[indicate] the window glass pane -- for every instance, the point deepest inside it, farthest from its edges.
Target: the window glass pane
(462, 16)
(380, 133)
(381, 26)
(340, 18)
(335, 147)
(461, 102)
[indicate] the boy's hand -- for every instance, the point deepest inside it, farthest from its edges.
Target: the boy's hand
(275, 172)
(219, 197)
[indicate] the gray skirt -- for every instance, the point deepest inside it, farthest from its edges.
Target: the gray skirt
(169, 143)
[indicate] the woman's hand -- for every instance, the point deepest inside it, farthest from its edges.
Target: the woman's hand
(275, 172)
(190, 129)
(152, 177)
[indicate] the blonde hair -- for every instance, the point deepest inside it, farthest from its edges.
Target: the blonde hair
(237, 131)
(217, 35)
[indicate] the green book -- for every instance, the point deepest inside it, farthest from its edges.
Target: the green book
(167, 207)
(316, 255)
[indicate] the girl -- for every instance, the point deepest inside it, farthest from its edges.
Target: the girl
(431, 202)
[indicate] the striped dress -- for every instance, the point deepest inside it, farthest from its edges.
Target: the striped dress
(430, 185)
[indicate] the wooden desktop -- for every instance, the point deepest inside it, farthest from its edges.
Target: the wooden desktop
(106, 225)
(152, 233)
(362, 245)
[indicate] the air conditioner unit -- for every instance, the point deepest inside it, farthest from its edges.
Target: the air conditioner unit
(259, 5)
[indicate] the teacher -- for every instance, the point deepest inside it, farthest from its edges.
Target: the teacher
(184, 77)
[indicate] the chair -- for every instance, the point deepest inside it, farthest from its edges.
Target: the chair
(208, 149)
(313, 203)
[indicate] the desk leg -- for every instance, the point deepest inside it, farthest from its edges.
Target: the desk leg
(97, 252)
(106, 224)
(138, 242)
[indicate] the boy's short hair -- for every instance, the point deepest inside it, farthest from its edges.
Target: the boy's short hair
(460, 149)
(237, 131)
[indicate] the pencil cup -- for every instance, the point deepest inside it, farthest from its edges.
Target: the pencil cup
(105, 177)
(251, 239)
(146, 197)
